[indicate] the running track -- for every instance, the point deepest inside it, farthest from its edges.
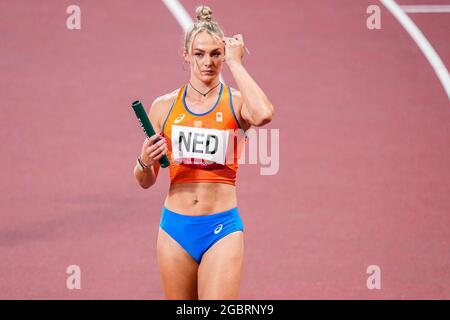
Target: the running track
(364, 175)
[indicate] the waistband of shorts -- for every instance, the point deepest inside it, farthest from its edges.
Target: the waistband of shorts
(216, 215)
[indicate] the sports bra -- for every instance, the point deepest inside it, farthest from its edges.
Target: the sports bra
(203, 147)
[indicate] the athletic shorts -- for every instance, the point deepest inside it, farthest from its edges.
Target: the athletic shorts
(196, 234)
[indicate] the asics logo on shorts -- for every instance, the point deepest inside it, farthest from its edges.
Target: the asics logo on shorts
(218, 229)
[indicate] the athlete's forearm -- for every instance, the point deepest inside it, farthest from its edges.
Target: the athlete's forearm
(258, 105)
(146, 178)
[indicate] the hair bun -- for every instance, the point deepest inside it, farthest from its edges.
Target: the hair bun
(203, 13)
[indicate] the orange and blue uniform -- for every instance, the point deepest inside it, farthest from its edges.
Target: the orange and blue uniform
(202, 147)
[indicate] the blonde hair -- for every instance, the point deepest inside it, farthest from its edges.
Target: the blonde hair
(204, 23)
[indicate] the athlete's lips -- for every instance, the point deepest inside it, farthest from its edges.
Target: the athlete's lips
(207, 71)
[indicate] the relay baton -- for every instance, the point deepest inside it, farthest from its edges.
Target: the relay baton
(148, 128)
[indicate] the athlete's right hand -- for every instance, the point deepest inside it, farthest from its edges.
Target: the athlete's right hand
(153, 150)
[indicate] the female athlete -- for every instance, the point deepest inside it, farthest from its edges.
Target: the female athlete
(200, 241)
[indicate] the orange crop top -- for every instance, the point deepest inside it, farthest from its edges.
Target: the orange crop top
(203, 147)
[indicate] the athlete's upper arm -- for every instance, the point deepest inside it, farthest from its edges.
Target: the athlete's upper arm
(245, 114)
(241, 110)
(159, 110)
(156, 114)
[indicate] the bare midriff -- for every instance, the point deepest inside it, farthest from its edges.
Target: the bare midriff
(200, 198)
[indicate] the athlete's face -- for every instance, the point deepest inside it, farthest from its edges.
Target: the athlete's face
(207, 56)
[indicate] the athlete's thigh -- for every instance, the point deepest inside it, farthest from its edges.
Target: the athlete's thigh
(219, 273)
(178, 269)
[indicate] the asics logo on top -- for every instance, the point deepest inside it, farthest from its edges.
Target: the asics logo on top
(179, 118)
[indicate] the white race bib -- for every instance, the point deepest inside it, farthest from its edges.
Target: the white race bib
(199, 143)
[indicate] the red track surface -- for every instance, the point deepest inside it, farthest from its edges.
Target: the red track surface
(364, 175)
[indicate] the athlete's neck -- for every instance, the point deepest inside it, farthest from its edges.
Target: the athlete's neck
(202, 87)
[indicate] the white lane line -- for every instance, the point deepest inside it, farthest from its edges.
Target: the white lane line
(180, 14)
(431, 55)
(183, 18)
(428, 8)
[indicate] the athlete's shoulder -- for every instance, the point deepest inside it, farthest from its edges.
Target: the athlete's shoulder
(165, 100)
(161, 106)
(237, 97)
(238, 102)
(234, 91)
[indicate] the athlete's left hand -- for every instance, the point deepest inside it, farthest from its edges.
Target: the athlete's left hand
(234, 49)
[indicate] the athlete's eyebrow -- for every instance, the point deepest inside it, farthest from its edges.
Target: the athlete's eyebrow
(204, 50)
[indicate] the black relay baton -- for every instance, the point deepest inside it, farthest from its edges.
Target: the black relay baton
(148, 128)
